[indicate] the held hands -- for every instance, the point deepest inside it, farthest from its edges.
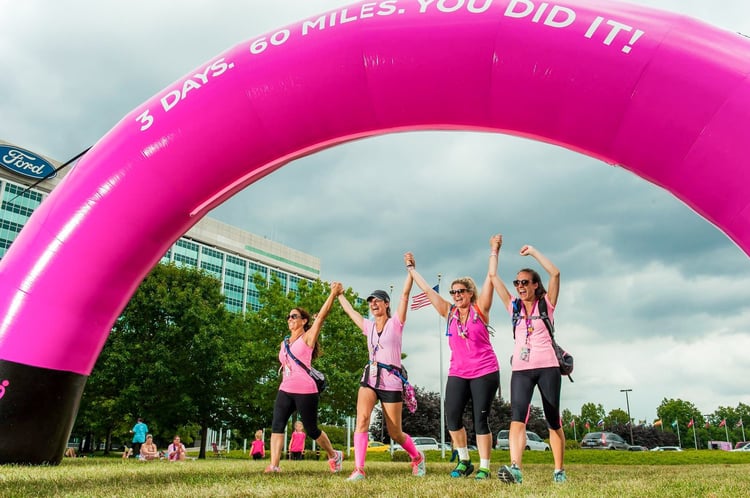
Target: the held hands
(337, 288)
(409, 260)
(496, 242)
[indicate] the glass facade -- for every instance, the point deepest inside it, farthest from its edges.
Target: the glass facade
(235, 272)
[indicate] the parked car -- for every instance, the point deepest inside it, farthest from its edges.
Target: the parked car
(533, 441)
(666, 448)
(604, 441)
(637, 448)
(741, 444)
(743, 448)
(422, 444)
(375, 446)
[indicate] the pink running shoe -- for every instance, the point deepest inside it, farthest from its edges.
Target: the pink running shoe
(335, 462)
(418, 467)
(357, 475)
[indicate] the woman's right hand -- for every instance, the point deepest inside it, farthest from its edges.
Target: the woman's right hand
(496, 242)
(409, 259)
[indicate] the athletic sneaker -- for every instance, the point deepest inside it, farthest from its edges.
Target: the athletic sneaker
(482, 474)
(335, 462)
(463, 469)
(559, 476)
(271, 469)
(357, 475)
(510, 474)
(418, 468)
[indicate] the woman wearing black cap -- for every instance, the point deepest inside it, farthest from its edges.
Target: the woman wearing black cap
(380, 380)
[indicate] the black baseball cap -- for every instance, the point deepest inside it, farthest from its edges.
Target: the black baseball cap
(379, 294)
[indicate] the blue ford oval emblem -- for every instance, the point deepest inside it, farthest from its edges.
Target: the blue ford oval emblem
(25, 163)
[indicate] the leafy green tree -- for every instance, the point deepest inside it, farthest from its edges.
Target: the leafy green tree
(617, 416)
(591, 414)
(671, 410)
(169, 358)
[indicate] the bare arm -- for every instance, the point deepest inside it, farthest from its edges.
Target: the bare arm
(311, 337)
(441, 305)
(553, 287)
(404, 301)
(496, 242)
(349, 310)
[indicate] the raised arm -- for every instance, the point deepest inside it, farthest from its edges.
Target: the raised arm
(441, 305)
(496, 242)
(553, 287)
(403, 303)
(311, 337)
(349, 310)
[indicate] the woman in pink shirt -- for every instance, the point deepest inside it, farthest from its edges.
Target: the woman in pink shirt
(474, 373)
(534, 361)
(298, 391)
(380, 382)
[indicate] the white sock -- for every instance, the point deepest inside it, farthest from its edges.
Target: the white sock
(484, 463)
(463, 453)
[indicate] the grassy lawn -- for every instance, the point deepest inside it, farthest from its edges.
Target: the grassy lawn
(591, 473)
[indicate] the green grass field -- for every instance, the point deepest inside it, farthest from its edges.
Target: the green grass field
(591, 474)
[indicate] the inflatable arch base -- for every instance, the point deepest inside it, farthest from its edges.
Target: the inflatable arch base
(35, 429)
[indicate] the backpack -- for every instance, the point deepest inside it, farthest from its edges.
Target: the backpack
(564, 359)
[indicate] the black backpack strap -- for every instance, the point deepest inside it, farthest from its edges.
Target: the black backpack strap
(516, 315)
(545, 316)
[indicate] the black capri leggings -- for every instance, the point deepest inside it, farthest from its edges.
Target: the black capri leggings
(458, 392)
(522, 383)
(305, 404)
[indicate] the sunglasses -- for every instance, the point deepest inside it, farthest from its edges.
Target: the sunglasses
(457, 291)
(523, 282)
(293, 316)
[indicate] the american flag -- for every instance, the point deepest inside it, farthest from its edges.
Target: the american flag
(421, 300)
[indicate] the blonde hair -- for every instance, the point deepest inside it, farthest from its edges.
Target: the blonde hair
(467, 282)
(259, 434)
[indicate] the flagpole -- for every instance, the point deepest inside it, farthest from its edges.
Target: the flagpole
(726, 431)
(742, 424)
(442, 383)
(679, 439)
(695, 438)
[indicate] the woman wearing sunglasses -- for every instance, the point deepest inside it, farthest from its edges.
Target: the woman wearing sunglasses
(474, 373)
(534, 361)
(298, 390)
(380, 380)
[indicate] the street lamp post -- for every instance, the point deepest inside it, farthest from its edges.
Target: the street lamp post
(630, 421)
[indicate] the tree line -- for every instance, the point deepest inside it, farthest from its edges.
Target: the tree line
(184, 363)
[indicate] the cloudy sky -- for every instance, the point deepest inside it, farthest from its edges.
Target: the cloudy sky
(653, 297)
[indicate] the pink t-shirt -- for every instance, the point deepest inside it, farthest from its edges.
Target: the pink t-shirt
(295, 380)
(538, 342)
(384, 348)
(298, 441)
(258, 446)
(472, 355)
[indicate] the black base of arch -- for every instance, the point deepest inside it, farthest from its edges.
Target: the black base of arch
(37, 410)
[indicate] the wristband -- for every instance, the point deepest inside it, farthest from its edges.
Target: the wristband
(409, 267)
(493, 253)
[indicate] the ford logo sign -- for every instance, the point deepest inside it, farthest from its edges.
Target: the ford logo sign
(25, 163)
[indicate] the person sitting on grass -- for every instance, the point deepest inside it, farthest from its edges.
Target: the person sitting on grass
(176, 451)
(149, 451)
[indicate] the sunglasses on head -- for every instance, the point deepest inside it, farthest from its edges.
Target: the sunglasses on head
(523, 282)
(293, 316)
(457, 291)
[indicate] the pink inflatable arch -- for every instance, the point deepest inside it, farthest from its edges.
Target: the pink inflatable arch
(665, 96)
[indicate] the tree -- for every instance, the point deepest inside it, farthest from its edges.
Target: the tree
(170, 357)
